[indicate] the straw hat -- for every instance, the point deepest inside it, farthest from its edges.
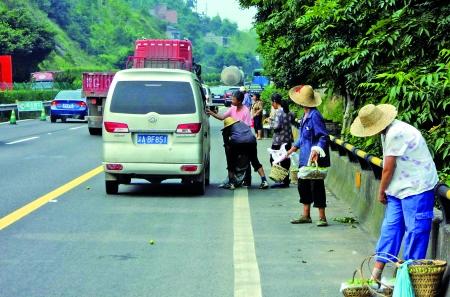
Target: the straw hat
(304, 95)
(372, 119)
(228, 122)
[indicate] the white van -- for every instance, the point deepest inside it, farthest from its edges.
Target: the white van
(155, 128)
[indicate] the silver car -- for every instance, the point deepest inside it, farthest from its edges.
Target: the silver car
(155, 128)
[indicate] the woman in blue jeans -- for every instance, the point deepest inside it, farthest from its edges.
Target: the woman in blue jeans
(407, 183)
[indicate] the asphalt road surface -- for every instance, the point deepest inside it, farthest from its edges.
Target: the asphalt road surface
(61, 235)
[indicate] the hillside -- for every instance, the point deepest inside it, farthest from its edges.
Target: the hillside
(99, 35)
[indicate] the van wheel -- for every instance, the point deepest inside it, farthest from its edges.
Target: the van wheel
(52, 119)
(199, 186)
(208, 173)
(112, 187)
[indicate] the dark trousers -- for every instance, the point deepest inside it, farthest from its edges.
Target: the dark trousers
(285, 163)
(235, 154)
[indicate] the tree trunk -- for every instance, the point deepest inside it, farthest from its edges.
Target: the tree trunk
(349, 105)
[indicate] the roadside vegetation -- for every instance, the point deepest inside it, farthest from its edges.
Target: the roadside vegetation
(385, 51)
(73, 35)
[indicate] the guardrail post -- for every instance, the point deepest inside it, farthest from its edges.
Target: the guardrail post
(442, 192)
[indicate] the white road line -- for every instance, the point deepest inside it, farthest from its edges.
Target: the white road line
(247, 281)
(75, 128)
(4, 123)
(22, 140)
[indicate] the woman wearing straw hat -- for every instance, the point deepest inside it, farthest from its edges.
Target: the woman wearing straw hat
(312, 132)
(407, 182)
(239, 140)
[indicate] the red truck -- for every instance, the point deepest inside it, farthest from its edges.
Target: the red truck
(5, 73)
(148, 53)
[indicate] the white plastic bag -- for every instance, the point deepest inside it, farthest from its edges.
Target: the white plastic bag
(278, 155)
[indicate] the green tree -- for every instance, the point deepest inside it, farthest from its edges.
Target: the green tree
(367, 51)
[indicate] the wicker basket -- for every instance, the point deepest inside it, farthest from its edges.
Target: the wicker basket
(426, 276)
(357, 292)
(293, 175)
(278, 173)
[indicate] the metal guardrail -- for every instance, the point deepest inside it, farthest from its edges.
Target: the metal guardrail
(368, 161)
(442, 192)
(9, 107)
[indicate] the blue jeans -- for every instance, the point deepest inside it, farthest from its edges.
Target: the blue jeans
(409, 218)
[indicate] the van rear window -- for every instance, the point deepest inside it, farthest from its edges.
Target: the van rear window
(163, 97)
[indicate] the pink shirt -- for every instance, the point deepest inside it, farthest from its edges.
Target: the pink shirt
(242, 115)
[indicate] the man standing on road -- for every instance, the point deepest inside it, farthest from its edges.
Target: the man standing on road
(407, 182)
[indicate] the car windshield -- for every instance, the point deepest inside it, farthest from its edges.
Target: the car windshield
(74, 95)
(163, 97)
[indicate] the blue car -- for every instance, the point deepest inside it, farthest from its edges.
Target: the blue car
(68, 104)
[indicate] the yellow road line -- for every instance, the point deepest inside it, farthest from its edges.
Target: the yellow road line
(32, 206)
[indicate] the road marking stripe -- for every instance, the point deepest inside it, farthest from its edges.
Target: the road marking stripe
(75, 128)
(247, 281)
(23, 140)
(32, 206)
(4, 123)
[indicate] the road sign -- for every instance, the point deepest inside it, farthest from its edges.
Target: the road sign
(29, 106)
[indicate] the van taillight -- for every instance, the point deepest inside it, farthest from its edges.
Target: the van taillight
(192, 128)
(54, 103)
(189, 168)
(82, 104)
(116, 167)
(113, 127)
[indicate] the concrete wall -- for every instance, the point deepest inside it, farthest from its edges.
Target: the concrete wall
(342, 181)
(359, 188)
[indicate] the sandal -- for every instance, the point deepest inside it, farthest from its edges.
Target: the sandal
(302, 220)
(322, 223)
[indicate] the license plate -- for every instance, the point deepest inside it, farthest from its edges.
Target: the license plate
(151, 139)
(67, 105)
(217, 97)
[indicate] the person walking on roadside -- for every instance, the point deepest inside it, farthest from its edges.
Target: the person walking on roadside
(312, 132)
(407, 183)
(247, 98)
(282, 133)
(239, 140)
(257, 109)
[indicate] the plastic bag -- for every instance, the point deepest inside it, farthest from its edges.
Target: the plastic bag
(312, 172)
(294, 160)
(403, 286)
(278, 155)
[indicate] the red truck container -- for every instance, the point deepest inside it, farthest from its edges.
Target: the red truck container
(95, 89)
(6, 73)
(148, 53)
(162, 53)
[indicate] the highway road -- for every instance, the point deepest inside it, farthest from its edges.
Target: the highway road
(61, 235)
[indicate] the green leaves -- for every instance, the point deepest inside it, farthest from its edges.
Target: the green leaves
(386, 51)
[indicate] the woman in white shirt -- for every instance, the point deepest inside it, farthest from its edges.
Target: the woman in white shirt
(407, 182)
